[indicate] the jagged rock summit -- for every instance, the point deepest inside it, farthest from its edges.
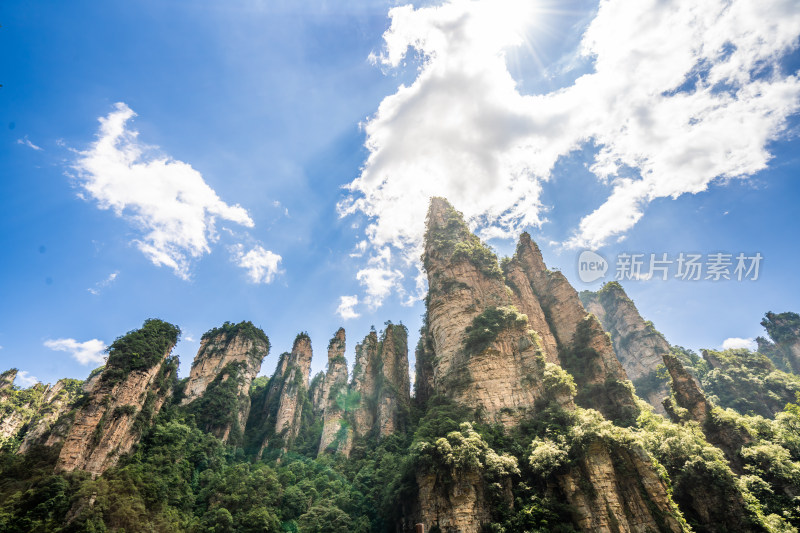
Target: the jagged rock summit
(228, 360)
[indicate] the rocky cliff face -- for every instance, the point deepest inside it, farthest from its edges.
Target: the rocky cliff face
(457, 506)
(379, 396)
(218, 387)
(491, 332)
(7, 382)
(287, 395)
(135, 382)
(638, 345)
(688, 402)
(18, 407)
(334, 387)
(486, 351)
(784, 350)
(394, 393)
(55, 415)
(585, 350)
(617, 489)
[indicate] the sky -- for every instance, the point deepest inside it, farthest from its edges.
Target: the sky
(272, 161)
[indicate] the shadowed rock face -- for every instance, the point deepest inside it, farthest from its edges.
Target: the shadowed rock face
(687, 394)
(52, 420)
(365, 383)
(7, 381)
(233, 352)
(686, 390)
(380, 389)
(288, 393)
(106, 427)
(637, 344)
(465, 282)
(394, 394)
(333, 385)
(618, 489)
(497, 372)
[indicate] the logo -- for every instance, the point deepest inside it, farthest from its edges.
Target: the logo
(591, 266)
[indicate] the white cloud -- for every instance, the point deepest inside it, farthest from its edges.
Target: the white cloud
(674, 86)
(166, 199)
(261, 264)
(27, 142)
(736, 342)
(92, 351)
(104, 283)
(25, 380)
(346, 307)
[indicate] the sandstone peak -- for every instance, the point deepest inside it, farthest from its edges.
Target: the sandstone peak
(637, 344)
(135, 383)
(228, 360)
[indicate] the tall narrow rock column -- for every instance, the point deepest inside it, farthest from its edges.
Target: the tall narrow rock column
(334, 386)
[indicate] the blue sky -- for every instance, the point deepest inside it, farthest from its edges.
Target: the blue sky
(316, 133)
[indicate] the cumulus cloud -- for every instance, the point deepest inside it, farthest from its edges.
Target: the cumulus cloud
(674, 86)
(100, 285)
(261, 264)
(167, 200)
(25, 380)
(346, 308)
(736, 342)
(92, 351)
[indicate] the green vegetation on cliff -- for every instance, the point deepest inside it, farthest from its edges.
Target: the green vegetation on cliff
(139, 349)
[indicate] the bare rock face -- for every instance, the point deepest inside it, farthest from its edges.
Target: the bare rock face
(7, 381)
(136, 381)
(364, 383)
(334, 386)
(394, 395)
(54, 417)
(315, 393)
(288, 393)
(423, 368)
(381, 383)
(492, 371)
(585, 350)
(692, 404)
(784, 350)
(618, 490)
(287, 421)
(18, 407)
(687, 392)
(218, 388)
(638, 345)
(459, 506)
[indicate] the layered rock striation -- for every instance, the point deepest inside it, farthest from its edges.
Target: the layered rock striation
(491, 329)
(55, 415)
(279, 418)
(134, 384)
(637, 344)
(333, 396)
(218, 388)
